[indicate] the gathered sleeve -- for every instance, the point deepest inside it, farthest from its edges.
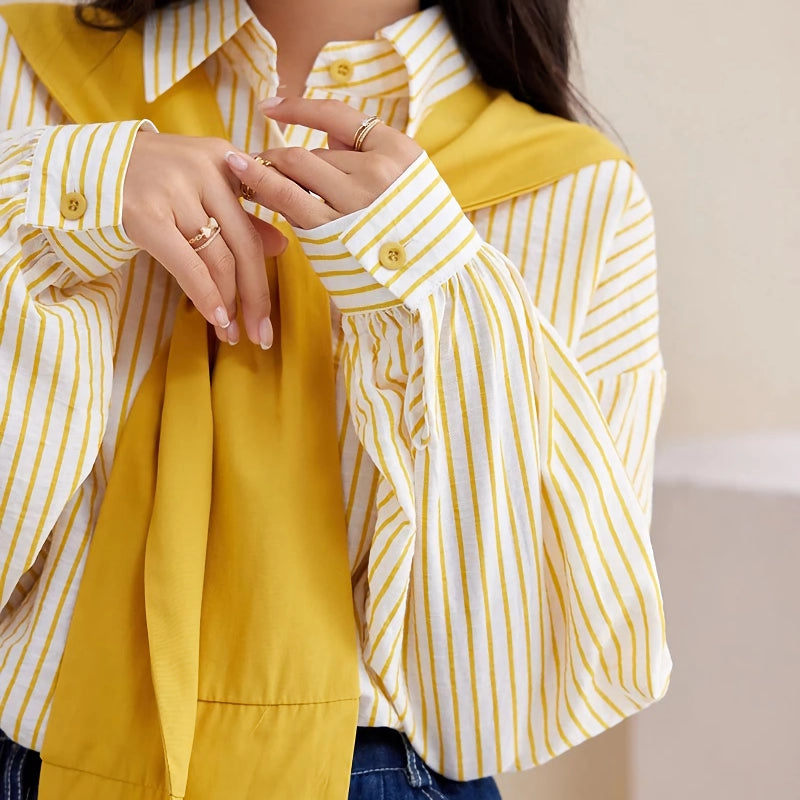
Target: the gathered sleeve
(61, 244)
(618, 347)
(512, 608)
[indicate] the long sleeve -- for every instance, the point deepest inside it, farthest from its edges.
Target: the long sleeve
(586, 249)
(618, 347)
(60, 305)
(511, 608)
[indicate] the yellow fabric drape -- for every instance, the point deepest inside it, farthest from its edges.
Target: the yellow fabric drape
(246, 604)
(212, 652)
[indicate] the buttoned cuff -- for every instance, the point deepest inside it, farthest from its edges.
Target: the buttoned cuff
(410, 240)
(75, 194)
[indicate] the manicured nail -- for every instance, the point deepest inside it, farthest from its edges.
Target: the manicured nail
(270, 102)
(221, 316)
(236, 161)
(265, 334)
(233, 333)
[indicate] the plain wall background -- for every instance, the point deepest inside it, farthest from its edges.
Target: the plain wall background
(706, 96)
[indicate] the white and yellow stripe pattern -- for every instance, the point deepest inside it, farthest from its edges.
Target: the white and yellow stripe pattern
(506, 384)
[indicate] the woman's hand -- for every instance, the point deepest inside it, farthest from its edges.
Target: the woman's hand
(173, 186)
(346, 180)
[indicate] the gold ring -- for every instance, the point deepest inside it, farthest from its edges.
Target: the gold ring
(247, 191)
(206, 233)
(207, 242)
(363, 131)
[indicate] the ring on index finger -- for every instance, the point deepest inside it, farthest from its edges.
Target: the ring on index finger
(248, 193)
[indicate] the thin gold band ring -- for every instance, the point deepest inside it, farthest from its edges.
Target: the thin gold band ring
(363, 131)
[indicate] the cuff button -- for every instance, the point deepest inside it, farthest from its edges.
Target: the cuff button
(73, 205)
(341, 71)
(392, 255)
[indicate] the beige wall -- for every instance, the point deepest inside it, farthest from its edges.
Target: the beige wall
(728, 727)
(600, 769)
(706, 95)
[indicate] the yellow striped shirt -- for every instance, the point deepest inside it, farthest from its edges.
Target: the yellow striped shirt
(508, 377)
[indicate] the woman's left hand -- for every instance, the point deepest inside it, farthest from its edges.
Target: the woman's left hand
(344, 179)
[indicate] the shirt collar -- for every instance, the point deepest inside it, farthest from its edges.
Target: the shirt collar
(435, 63)
(179, 38)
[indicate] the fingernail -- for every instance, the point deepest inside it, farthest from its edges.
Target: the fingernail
(233, 333)
(265, 334)
(284, 245)
(221, 316)
(236, 161)
(270, 102)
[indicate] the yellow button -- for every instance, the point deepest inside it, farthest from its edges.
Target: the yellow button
(73, 205)
(392, 255)
(341, 70)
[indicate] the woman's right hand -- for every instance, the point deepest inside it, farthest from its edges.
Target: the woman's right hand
(173, 185)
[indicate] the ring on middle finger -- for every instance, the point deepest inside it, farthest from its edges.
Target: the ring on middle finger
(205, 235)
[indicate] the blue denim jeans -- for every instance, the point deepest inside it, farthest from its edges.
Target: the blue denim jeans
(19, 771)
(385, 767)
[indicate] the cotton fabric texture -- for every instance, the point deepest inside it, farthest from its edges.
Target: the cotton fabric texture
(417, 355)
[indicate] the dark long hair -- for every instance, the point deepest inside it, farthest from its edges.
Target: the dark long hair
(522, 46)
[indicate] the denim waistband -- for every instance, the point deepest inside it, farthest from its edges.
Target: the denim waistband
(384, 749)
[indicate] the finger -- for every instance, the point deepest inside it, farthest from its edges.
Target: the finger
(279, 193)
(274, 244)
(334, 144)
(272, 240)
(304, 168)
(347, 161)
(321, 177)
(221, 264)
(337, 119)
(250, 272)
(191, 273)
(372, 172)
